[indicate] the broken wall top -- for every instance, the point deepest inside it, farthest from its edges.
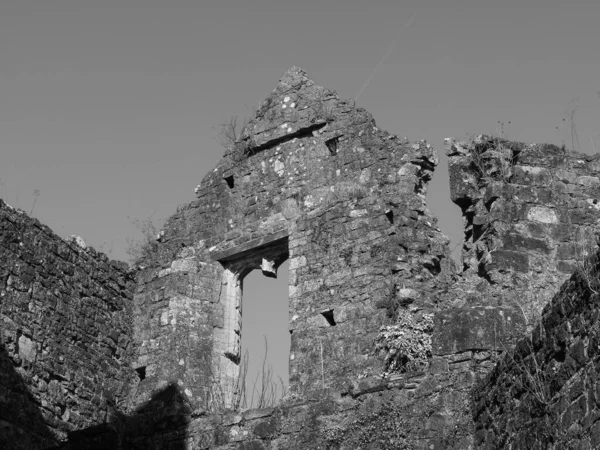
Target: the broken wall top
(305, 149)
(65, 333)
(530, 214)
(348, 200)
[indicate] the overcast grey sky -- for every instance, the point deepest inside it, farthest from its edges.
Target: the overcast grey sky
(108, 107)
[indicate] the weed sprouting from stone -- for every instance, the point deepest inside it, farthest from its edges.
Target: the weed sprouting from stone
(406, 344)
(36, 194)
(493, 159)
(587, 260)
(139, 250)
(531, 376)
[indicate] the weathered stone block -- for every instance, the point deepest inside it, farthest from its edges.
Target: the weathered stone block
(505, 259)
(516, 242)
(478, 328)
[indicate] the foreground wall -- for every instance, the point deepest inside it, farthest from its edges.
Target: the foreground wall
(531, 220)
(546, 392)
(417, 410)
(65, 334)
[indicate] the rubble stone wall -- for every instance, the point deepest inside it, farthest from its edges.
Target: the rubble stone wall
(313, 176)
(65, 334)
(546, 393)
(388, 336)
(531, 217)
(530, 214)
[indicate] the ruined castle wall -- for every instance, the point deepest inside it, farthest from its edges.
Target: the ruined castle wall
(546, 393)
(173, 322)
(65, 334)
(417, 410)
(313, 180)
(531, 220)
(530, 216)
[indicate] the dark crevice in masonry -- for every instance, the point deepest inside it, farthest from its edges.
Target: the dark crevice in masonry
(390, 215)
(141, 372)
(434, 267)
(490, 202)
(481, 268)
(478, 231)
(301, 133)
(332, 145)
(560, 355)
(463, 203)
(329, 317)
(234, 358)
(230, 181)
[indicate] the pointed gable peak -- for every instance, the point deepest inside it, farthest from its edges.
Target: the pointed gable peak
(292, 79)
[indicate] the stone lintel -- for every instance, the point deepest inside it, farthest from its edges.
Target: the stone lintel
(249, 247)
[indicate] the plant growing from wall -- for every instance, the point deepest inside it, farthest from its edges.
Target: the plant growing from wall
(140, 249)
(324, 110)
(493, 159)
(587, 260)
(529, 374)
(406, 344)
(232, 135)
(265, 391)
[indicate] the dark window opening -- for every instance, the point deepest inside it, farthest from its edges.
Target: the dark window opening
(329, 317)
(332, 144)
(141, 372)
(229, 181)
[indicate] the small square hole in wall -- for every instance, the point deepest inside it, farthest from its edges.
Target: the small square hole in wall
(141, 372)
(332, 144)
(229, 180)
(328, 314)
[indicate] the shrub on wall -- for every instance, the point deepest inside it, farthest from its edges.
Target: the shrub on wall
(407, 343)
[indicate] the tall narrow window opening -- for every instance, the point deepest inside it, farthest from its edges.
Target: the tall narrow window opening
(251, 321)
(265, 332)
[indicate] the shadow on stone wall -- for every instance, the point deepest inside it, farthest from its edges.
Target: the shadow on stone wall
(160, 423)
(22, 424)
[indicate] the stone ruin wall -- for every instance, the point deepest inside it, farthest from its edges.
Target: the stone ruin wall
(546, 392)
(66, 334)
(530, 215)
(345, 202)
(313, 180)
(537, 224)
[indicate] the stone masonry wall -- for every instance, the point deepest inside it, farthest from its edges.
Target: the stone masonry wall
(530, 216)
(65, 334)
(314, 180)
(417, 410)
(388, 337)
(531, 219)
(545, 394)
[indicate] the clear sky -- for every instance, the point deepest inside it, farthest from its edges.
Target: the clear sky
(109, 107)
